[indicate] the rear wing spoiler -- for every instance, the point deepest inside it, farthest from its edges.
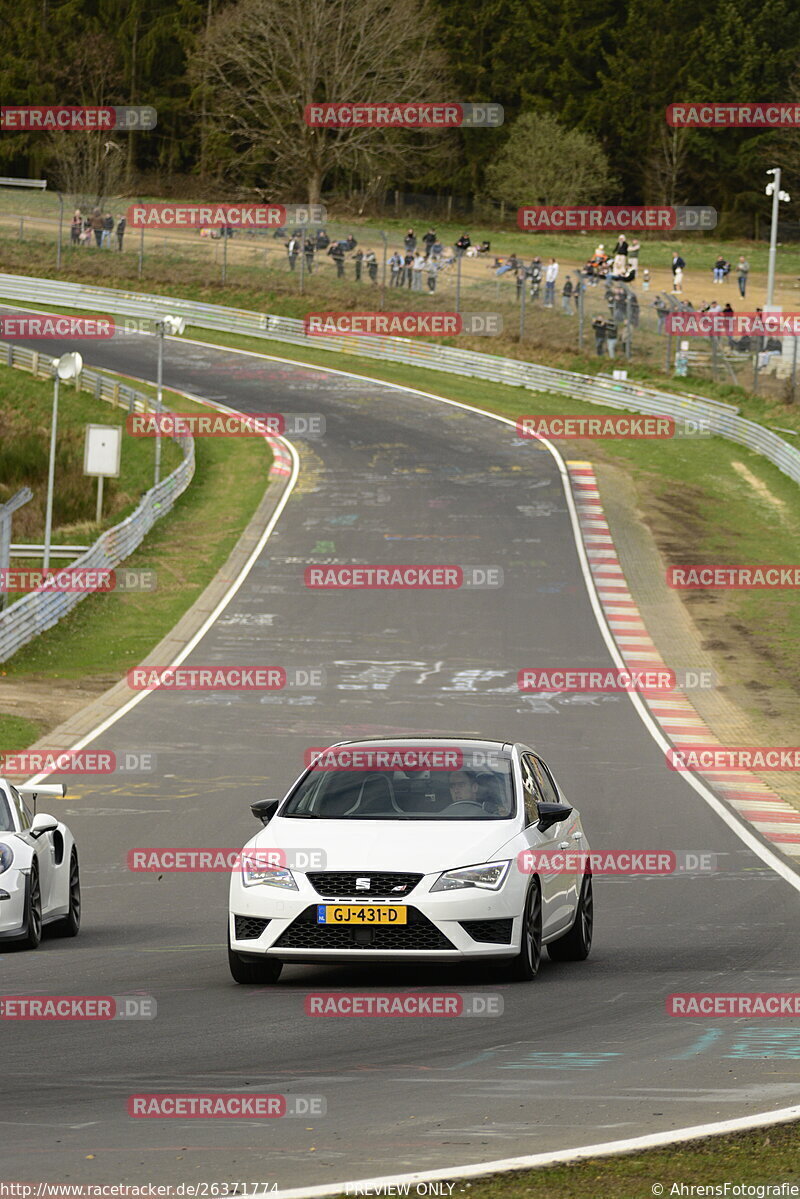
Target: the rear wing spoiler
(46, 790)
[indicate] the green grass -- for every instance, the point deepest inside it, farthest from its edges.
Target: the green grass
(16, 732)
(770, 1155)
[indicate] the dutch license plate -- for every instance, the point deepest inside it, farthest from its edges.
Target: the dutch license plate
(353, 913)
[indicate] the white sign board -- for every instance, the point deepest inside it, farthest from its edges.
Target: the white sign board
(101, 453)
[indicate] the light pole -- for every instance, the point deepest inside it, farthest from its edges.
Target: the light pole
(774, 189)
(66, 367)
(174, 325)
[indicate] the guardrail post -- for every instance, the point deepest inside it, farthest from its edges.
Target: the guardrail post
(35, 363)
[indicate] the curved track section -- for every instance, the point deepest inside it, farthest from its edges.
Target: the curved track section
(587, 1054)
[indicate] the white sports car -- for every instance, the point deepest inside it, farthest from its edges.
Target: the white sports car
(39, 877)
(423, 849)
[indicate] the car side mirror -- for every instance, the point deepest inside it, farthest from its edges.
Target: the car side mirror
(43, 824)
(265, 809)
(550, 814)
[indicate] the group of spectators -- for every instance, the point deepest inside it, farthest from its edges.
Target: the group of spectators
(419, 259)
(621, 264)
(97, 226)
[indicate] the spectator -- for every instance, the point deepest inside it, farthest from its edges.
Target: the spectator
(550, 276)
(372, 266)
(462, 245)
(396, 268)
(634, 311)
(677, 263)
(633, 254)
(742, 270)
(719, 269)
(418, 265)
(579, 287)
(292, 249)
(323, 241)
(611, 337)
(121, 226)
(76, 228)
(520, 274)
(408, 263)
(433, 270)
(108, 229)
(357, 258)
(336, 252)
(97, 225)
(428, 240)
(728, 310)
(566, 296)
(677, 281)
(437, 249)
(308, 250)
(645, 280)
(349, 243)
(620, 256)
(410, 241)
(661, 307)
(535, 273)
(599, 326)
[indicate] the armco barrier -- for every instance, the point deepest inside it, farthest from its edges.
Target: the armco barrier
(723, 419)
(37, 611)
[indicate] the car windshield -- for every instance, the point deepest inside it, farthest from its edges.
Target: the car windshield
(481, 790)
(6, 819)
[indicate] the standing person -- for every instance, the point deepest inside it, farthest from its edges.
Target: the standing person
(395, 266)
(372, 266)
(308, 250)
(437, 249)
(76, 227)
(566, 296)
(611, 337)
(410, 241)
(520, 274)
(661, 308)
(536, 278)
(408, 263)
(357, 259)
(97, 226)
(599, 326)
(576, 293)
(108, 229)
(463, 244)
(677, 264)
(633, 254)
(550, 276)
(121, 226)
(620, 256)
(645, 280)
(433, 270)
(292, 249)
(418, 266)
(742, 270)
(336, 252)
(323, 241)
(428, 241)
(677, 281)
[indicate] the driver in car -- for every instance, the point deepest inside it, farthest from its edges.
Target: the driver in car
(463, 786)
(468, 786)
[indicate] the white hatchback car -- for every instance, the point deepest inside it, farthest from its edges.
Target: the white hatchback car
(413, 849)
(39, 875)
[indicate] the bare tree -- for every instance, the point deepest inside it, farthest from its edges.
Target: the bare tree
(665, 167)
(261, 62)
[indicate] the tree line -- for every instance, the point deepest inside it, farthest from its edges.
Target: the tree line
(584, 85)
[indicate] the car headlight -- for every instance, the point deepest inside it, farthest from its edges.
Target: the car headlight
(6, 856)
(255, 872)
(488, 877)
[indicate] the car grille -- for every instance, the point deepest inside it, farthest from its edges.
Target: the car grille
(305, 933)
(496, 931)
(248, 928)
(382, 884)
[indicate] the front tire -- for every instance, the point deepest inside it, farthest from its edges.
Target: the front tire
(70, 925)
(575, 945)
(525, 966)
(33, 910)
(252, 970)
